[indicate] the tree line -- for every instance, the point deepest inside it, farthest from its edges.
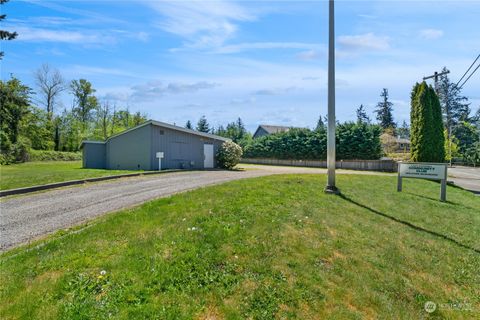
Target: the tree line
(36, 119)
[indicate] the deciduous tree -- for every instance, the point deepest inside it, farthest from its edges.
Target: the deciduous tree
(84, 100)
(50, 84)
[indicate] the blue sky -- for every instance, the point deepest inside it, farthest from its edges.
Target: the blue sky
(265, 62)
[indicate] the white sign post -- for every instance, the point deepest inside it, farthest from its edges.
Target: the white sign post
(159, 156)
(419, 170)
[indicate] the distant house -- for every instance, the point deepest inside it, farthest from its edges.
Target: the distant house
(151, 144)
(402, 144)
(265, 130)
(393, 144)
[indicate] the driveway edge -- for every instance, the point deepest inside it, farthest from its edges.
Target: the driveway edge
(54, 185)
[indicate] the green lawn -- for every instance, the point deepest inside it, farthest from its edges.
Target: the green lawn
(274, 247)
(36, 173)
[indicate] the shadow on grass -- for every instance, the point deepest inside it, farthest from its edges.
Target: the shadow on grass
(410, 225)
(436, 200)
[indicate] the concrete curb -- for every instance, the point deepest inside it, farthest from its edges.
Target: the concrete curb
(10, 192)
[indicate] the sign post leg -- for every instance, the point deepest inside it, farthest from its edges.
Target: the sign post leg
(159, 164)
(399, 183)
(443, 190)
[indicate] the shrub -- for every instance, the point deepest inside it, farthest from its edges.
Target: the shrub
(229, 155)
(21, 149)
(48, 155)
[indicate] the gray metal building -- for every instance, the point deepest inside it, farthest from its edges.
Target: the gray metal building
(151, 145)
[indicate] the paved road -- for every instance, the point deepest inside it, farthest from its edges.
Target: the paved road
(465, 177)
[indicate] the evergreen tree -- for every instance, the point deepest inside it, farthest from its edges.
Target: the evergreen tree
(404, 130)
(202, 125)
(362, 116)
(4, 34)
(384, 111)
(188, 125)
(320, 124)
(476, 119)
(235, 131)
(427, 138)
(221, 131)
(455, 106)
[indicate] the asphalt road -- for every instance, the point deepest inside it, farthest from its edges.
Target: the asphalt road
(466, 177)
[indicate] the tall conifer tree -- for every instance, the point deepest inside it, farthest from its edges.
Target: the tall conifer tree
(427, 139)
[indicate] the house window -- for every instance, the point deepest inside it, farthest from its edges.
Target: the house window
(162, 132)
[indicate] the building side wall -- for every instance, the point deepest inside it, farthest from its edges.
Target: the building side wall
(181, 150)
(131, 150)
(93, 155)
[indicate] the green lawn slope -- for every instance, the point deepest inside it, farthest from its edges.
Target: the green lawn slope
(42, 172)
(266, 248)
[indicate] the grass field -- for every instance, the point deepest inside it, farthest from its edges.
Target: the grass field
(36, 173)
(266, 248)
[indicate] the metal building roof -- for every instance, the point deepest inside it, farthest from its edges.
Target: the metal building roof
(164, 125)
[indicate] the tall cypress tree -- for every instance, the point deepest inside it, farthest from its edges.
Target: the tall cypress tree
(427, 139)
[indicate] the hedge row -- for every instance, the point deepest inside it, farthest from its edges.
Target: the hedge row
(354, 141)
(49, 155)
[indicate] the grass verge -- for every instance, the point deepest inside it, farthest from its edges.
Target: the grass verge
(264, 248)
(37, 173)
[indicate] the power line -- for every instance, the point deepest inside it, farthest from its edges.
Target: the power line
(471, 74)
(468, 70)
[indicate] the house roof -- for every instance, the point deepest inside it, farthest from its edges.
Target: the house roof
(402, 140)
(164, 125)
(272, 129)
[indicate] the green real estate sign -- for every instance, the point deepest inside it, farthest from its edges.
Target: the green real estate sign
(432, 171)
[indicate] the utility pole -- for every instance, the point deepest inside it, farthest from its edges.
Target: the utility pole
(331, 162)
(435, 76)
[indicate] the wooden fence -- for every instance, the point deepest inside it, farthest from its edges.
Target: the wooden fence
(368, 165)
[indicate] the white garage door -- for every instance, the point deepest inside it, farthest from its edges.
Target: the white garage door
(208, 156)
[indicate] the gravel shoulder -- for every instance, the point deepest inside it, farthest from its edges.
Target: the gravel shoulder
(26, 218)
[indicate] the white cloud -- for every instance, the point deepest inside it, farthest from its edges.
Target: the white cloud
(50, 35)
(203, 24)
(308, 55)
(155, 89)
(274, 92)
(268, 45)
(81, 70)
(367, 41)
(431, 34)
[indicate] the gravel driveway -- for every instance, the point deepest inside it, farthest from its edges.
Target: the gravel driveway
(28, 217)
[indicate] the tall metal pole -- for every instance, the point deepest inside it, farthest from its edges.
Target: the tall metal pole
(331, 188)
